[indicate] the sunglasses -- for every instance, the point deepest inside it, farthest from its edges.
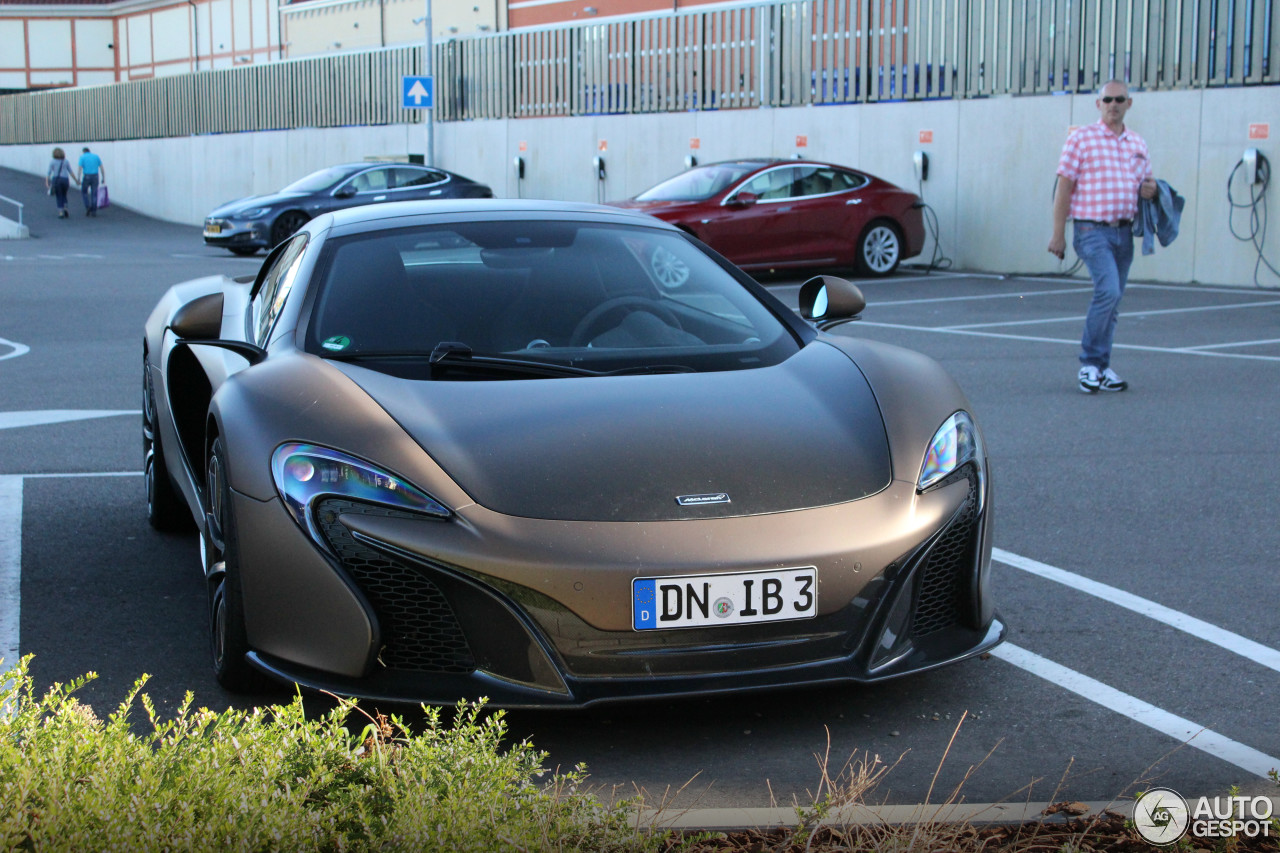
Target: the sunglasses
(1119, 99)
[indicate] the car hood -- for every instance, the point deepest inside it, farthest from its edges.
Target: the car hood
(800, 434)
(231, 208)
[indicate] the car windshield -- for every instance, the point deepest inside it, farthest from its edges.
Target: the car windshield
(699, 183)
(321, 180)
(536, 299)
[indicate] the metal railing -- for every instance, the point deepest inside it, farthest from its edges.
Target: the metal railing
(16, 204)
(766, 54)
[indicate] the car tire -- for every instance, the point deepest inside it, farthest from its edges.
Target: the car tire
(243, 251)
(879, 249)
(166, 509)
(286, 224)
(228, 640)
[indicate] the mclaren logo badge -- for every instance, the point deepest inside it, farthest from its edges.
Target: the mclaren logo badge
(698, 500)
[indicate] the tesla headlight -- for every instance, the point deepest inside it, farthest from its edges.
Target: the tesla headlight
(305, 472)
(253, 213)
(954, 444)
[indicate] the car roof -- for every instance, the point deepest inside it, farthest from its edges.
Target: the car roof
(498, 208)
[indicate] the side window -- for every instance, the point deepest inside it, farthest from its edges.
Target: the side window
(275, 288)
(374, 180)
(416, 177)
(842, 180)
(812, 180)
(773, 184)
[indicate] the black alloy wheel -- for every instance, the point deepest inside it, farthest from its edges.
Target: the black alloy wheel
(166, 510)
(286, 224)
(228, 641)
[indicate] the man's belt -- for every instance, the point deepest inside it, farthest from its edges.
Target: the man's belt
(1118, 223)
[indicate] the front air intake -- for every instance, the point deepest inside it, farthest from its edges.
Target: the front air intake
(950, 562)
(420, 632)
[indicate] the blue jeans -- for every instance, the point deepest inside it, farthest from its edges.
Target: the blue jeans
(89, 192)
(1107, 252)
(60, 187)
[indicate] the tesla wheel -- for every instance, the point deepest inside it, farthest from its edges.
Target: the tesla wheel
(879, 249)
(166, 510)
(245, 251)
(228, 641)
(288, 222)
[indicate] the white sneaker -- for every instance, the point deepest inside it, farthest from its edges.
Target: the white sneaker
(1111, 382)
(1090, 379)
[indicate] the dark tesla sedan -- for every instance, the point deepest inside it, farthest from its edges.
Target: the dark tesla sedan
(777, 214)
(261, 221)
(556, 454)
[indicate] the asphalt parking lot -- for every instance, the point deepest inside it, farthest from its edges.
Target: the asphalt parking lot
(1136, 541)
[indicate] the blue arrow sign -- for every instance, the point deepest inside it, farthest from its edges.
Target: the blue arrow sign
(417, 93)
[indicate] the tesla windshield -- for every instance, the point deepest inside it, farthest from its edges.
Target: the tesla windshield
(601, 297)
(699, 183)
(317, 181)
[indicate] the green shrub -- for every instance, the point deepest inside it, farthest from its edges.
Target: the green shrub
(272, 779)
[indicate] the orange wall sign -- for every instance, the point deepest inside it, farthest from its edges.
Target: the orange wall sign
(802, 142)
(524, 146)
(694, 142)
(926, 136)
(1260, 131)
(602, 145)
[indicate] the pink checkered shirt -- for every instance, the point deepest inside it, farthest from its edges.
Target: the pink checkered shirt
(1107, 169)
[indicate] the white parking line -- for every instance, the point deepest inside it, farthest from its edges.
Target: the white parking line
(1075, 342)
(17, 349)
(10, 566)
(1179, 728)
(11, 556)
(1153, 313)
(12, 420)
(1200, 629)
(1235, 344)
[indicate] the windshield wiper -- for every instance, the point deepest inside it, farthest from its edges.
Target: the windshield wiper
(456, 355)
(651, 368)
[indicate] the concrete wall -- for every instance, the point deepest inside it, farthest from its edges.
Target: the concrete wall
(991, 174)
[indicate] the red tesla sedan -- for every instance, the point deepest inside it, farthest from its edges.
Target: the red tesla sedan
(767, 214)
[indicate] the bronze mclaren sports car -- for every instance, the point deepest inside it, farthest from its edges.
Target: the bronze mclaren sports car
(556, 454)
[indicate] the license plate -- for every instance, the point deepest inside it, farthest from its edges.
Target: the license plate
(213, 229)
(699, 601)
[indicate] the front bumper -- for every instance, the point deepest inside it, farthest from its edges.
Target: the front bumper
(442, 627)
(226, 233)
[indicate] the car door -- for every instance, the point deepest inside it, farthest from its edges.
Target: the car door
(851, 207)
(368, 187)
(748, 234)
(824, 216)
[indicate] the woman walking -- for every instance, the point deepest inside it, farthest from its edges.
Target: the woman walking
(57, 180)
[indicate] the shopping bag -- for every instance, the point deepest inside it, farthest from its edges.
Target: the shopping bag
(104, 200)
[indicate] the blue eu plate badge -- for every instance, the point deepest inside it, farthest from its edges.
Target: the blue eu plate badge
(644, 603)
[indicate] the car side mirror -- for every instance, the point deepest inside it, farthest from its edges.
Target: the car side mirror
(200, 319)
(199, 323)
(345, 192)
(829, 301)
(744, 199)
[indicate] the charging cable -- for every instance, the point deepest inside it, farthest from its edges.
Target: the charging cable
(1257, 207)
(939, 261)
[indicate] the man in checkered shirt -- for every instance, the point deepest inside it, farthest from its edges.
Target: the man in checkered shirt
(1103, 169)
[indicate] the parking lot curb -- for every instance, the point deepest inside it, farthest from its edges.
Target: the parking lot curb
(737, 819)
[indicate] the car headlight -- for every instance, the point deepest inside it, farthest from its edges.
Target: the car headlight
(305, 472)
(255, 213)
(954, 444)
